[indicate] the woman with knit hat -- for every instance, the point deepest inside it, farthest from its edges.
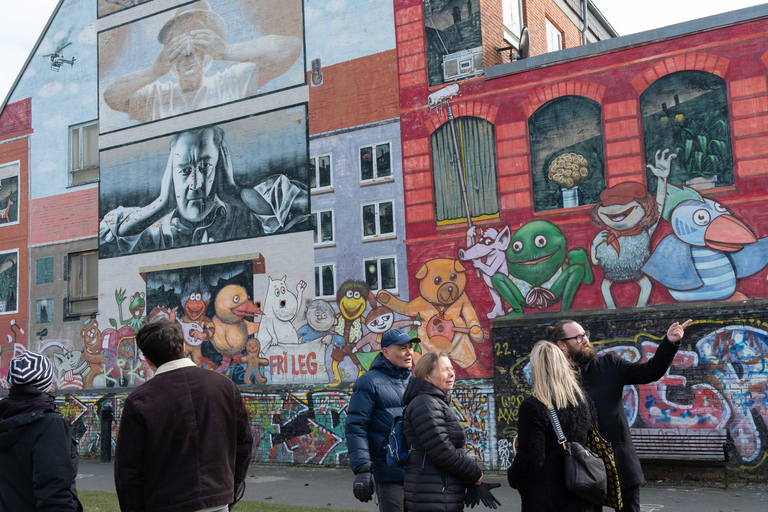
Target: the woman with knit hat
(38, 455)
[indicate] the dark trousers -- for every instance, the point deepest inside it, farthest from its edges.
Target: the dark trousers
(630, 498)
(391, 496)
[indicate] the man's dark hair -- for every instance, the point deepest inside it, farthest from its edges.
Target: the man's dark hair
(161, 341)
(556, 332)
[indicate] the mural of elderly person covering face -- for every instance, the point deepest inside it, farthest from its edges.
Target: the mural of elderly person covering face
(208, 207)
(193, 39)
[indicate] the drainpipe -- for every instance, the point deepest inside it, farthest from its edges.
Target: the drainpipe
(585, 16)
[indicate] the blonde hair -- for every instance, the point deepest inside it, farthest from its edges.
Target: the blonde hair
(427, 363)
(554, 382)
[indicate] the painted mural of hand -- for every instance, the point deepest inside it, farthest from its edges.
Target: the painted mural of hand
(663, 163)
(676, 331)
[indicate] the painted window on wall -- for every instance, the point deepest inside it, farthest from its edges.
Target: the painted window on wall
(375, 162)
(324, 229)
(83, 277)
(477, 149)
(44, 311)
(44, 271)
(84, 153)
(378, 220)
(320, 176)
(9, 194)
(325, 280)
(687, 112)
(554, 37)
(381, 273)
(9, 281)
(454, 40)
(566, 141)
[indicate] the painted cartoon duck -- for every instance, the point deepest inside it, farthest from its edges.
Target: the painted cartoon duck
(230, 324)
(541, 271)
(709, 250)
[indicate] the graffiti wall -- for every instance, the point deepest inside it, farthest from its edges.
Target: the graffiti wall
(197, 56)
(294, 427)
(718, 379)
(240, 179)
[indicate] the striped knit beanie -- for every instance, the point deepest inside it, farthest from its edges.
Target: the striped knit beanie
(31, 368)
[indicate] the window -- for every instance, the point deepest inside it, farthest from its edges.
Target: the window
(323, 222)
(9, 281)
(84, 153)
(381, 273)
(83, 277)
(378, 220)
(44, 271)
(477, 148)
(320, 172)
(9, 194)
(512, 21)
(44, 311)
(554, 38)
(325, 280)
(375, 162)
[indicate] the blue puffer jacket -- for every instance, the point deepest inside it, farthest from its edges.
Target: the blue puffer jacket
(377, 397)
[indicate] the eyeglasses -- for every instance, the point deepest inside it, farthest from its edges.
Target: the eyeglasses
(579, 337)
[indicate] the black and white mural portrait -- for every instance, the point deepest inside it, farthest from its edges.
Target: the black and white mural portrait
(241, 179)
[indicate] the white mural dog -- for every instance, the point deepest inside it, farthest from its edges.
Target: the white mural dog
(280, 307)
(489, 255)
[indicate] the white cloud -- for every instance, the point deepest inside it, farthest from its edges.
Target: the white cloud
(58, 36)
(56, 121)
(87, 35)
(30, 72)
(50, 89)
(73, 88)
(336, 5)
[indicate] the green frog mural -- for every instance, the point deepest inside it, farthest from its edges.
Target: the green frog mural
(541, 272)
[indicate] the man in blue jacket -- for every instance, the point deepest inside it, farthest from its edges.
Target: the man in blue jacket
(377, 398)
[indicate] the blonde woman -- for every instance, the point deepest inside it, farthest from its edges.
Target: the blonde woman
(538, 470)
(438, 470)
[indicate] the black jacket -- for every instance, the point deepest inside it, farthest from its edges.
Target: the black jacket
(377, 397)
(184, 443)
(604, 379)
(538, 470)
(38, 455)
(438, 470)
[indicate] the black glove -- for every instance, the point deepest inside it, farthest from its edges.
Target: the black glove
(363, 486)
(470, 497)
(484, 493)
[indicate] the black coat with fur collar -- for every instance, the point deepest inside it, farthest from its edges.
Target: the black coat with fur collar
(538, 470)
(438, 470)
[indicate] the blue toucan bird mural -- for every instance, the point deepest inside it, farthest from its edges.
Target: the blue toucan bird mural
(709, 250)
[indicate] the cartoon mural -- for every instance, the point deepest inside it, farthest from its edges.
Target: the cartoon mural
(9, 194)
(719, 379)
(197, 56)
(453, 37)
(9, 281)
(223, 189)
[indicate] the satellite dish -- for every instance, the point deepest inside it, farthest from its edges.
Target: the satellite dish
(525, 43)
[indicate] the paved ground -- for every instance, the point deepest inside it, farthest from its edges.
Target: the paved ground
(332, 488)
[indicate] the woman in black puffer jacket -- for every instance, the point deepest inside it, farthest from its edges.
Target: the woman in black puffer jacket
(438, 470)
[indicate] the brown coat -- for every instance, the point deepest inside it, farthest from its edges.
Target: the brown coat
(184, 443)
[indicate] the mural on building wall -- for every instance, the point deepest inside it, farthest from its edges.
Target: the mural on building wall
(454, 40)
(9, 281)
(241, 179)
(9, 194)
(687, 111)
(300, 427)
(197, 56)
(12, 343)
(109, 6)
(719, 379)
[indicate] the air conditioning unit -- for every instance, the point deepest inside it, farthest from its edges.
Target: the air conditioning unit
(463, 64)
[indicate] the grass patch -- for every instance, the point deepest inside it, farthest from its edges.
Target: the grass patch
(107, 502)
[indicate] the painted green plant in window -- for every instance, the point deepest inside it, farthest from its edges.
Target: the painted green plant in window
(7, 284)
(700, 145)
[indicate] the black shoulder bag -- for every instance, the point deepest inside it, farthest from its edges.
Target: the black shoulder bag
(584, 471)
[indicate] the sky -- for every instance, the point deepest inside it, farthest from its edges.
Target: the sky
(21, 23)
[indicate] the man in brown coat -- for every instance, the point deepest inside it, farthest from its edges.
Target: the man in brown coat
(184, 441)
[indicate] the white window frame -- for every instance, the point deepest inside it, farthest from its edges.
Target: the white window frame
(378, 235)
(376, 178)
(318, 231)
(319, 286)
(378, 271)
(314, 159)
(554, 37)
(76, 167)
(82, 298)
(18, 280)
(5, 172)
(512, 33)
